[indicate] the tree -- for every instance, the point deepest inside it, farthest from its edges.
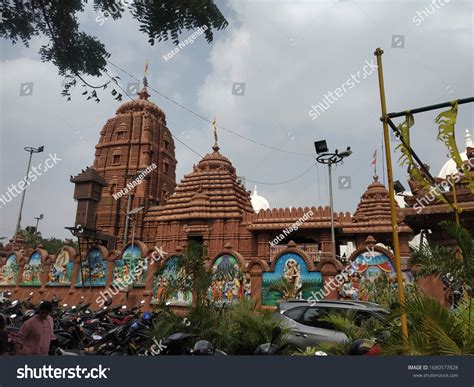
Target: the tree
(78, 55)
(31, 237)
(432, 329)
(193, 275)
(34, 238)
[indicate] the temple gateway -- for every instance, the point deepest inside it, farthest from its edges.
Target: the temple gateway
(133, 231)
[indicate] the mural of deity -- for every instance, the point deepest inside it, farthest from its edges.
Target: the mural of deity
(32, 271)
(94, 270)
(229, 284)
(60, 272)
(292, 273)
(292, 267)
(170, 275)
(131, 268)
(9, 271)
(371, 265)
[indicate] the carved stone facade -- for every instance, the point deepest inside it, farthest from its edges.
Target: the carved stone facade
(210, 205)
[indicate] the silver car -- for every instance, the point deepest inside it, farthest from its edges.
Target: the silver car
(308, 329)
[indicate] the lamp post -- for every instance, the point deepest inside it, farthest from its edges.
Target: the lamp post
(38, 218)
(129, 204)
(329, 159)
(130, 215)
(31, 150)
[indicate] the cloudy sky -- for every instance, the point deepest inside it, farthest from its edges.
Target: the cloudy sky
(288, 54)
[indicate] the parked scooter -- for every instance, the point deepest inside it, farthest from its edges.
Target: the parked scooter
(271, 349)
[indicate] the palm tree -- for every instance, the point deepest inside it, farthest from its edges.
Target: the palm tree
(193, 275)
(433, 329)
(31, 236)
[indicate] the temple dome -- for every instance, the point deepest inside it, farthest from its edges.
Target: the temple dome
(141, 104)
(259, 202)
(450, 168)
(212, 190)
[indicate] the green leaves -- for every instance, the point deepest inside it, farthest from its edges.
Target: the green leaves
(432, 329)
(447, 121)
(236, 329)
(79, 55)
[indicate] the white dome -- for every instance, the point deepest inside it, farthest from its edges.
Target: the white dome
(450, 168)
(258, 202)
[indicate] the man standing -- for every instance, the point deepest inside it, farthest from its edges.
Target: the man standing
(36, 334)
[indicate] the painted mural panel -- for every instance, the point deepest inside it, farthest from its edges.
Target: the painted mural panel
(9, 271)
(367, 266)
(32, 271)
(60, 272)
(229, 284)
(373, 264)
(302, 282)
(169, 274)
(94, 269)
(131, 268)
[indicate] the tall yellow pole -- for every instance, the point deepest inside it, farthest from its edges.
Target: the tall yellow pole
(396, 244)
(456, 211)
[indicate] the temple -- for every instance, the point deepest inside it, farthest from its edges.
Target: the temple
(129, 207)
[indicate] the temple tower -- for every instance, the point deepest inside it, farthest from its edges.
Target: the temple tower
(135, 140)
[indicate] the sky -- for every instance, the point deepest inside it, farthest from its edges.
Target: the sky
(259, 78)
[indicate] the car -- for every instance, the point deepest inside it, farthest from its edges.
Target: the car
(307, 329)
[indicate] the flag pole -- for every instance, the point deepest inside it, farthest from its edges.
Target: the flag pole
(396, 244)
(375, 164)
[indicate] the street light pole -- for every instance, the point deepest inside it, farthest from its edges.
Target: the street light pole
(329, 158)
(129, 205)
(331, 205)
(38, 218)
(131, 215)
(31, 150)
